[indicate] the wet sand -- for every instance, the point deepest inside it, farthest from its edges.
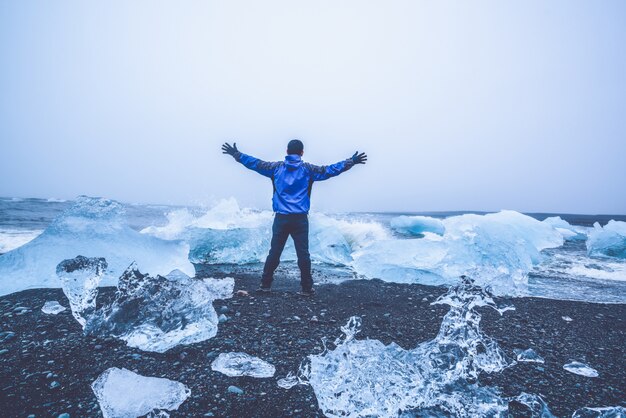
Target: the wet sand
(278, 328)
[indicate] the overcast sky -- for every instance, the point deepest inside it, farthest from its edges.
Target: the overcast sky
(480, 105)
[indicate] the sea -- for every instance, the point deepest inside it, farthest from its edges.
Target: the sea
(401, 247)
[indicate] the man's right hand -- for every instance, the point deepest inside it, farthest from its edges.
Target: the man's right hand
(359, 158)
(227, 149)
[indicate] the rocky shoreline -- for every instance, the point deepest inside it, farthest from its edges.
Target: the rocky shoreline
(48, 365)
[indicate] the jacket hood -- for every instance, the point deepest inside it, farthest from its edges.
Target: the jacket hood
(293, 161)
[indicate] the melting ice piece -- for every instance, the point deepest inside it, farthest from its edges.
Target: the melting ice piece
(582, 369)
(368, 378)
(158, 313)
(528, 405)
(606, 412)
(124, 394)
(530, 356)
(52, 307)
(242, 364)
(80, 277)
(93, 227)
(608, 241)
(566, 319)
(289, 381)
(417, 225)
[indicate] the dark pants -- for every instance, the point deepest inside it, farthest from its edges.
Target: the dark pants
(296, 225)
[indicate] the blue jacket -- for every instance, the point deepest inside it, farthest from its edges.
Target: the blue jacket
(293, 179)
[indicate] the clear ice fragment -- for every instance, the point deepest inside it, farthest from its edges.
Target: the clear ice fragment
(52, 307)
(582, 369)
(606, 412)
(158, 313)
(242, 364)
(80, 277)
(530, 356)
(124, 394)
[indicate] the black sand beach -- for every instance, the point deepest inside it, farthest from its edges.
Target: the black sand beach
(278, 328)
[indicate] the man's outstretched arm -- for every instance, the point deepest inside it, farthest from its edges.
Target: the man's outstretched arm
(325, 172)
(262, 167)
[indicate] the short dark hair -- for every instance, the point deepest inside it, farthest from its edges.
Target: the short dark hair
(295, 146)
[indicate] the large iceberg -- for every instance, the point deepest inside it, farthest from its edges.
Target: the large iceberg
(608, 241)
(228, 234)
(124, 394)
(569, 232)
(156, 313)
(417, 225)
(499, 249)
(361, 378)
(92, 227)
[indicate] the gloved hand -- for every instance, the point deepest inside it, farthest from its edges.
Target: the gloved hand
(227, 149)
(359, 158)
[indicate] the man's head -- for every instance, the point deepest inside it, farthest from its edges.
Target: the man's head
(295, 146)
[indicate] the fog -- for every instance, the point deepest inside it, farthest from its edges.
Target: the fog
(481, 105)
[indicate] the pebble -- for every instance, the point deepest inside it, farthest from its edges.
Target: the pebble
(54, 385)
(6, 335)
(235, 390)
(4, 350)
(64, 415)
(223, 309)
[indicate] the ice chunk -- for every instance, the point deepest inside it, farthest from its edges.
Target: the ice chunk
(528, 405)
(124, 394)
(290, 381)
(242, 364)
(608, 241)
(52, 307)
(368, 378)
(566, 319)
(93, 227)
(11, 239)
(498, 249)
(158, 313)
(582, 369)
(606, 412)
(80, 277)
(530, 356)
(569, 232)
(417, 225)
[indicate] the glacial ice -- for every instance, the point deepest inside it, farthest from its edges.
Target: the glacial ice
(92, 227)
(530, 356)
(227, 234)
(608, 241)
(158, 313)
(417, 225)
(569, 232)
(582, 369)
(242, 364)
(80, 277)
(498, 249)
(360, 378)
(52, 307)
(532, 406)
(124, 394)
(605, 412)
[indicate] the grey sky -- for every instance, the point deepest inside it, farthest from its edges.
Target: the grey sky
(481, 105)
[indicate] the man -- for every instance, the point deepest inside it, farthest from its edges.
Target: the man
(292, 180)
